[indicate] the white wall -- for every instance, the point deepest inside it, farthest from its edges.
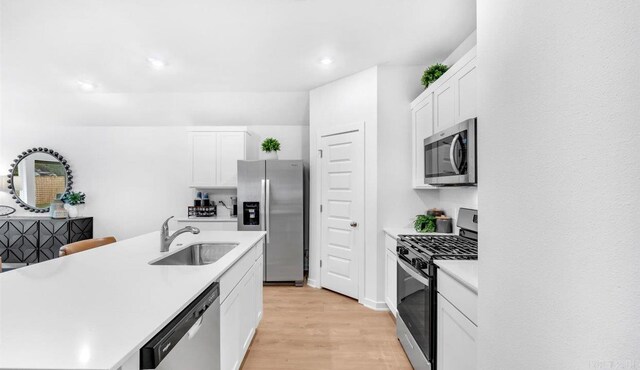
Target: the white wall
(134, 177)
(398, 203)
(559, 279)
(349, 100)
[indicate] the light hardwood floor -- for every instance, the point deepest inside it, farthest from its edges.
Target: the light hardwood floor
(306, 328)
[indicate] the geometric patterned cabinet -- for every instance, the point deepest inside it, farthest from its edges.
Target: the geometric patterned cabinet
(37, 239)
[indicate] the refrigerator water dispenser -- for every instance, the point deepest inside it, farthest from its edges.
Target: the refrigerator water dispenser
(251, 213)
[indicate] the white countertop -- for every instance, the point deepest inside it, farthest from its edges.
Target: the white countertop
(464, 271)
(208, 219)
(92, 310)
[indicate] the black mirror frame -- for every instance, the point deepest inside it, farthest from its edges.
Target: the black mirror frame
(27, 152)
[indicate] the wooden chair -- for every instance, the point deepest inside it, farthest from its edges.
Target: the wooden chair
(84, 245)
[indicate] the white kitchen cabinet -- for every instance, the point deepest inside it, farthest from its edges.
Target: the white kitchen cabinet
(444, 105)
(446, 102)
(422, 120)
(202, 147)
(258, 277)
(466, 89)
(241, 308)
(456, 348)
(230, 335)
(230, 149)
(247, 307)
(214, 153)
(390, 274)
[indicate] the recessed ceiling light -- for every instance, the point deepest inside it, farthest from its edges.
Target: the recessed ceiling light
(326, 61)
(86, 85)
(156, 63)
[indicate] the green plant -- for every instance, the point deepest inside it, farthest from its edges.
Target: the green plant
(73, 198)
(270, 145)
(432, 73)
(425, 224)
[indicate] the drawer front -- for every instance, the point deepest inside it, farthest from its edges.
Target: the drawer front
(234, 275)
(53, 235)
(463, 298)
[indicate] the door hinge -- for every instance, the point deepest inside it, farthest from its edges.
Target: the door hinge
(321, 208)
(320, 152)
(320, 263)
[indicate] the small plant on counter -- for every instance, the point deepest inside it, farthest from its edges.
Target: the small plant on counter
(425, 224)
(73, 198)
(270, 145)
(432, 73)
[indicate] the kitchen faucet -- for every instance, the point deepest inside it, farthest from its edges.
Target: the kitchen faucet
(166, 239)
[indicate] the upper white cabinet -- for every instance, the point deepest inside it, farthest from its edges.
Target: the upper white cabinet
(214, 153)
(448, 101)
(466, 91)
(444, 105)
(422, 120)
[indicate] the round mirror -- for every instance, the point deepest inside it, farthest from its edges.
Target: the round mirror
(37, 177)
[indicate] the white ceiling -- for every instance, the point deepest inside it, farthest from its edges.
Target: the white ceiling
(219, 45)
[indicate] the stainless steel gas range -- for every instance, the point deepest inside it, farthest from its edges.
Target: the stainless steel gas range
(417, 291)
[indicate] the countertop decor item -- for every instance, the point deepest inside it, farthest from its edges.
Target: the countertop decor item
(57, 208)
(432, 73)
(73, 200)
(425, 223)
(443, 224)
(271, 147)
(36, 176)
(6, 210)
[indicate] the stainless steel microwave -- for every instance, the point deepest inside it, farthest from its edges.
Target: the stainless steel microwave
(450, 156)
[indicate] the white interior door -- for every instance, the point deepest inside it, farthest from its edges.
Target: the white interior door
(342, 200)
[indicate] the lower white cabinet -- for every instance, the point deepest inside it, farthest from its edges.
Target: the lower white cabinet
(456, 338)
(240, 312)
(390, 274)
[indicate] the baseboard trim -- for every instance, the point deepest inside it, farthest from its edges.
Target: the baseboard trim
(376, 306)
(313, 283)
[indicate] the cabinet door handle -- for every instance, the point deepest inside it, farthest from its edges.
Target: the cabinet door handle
(353, 224)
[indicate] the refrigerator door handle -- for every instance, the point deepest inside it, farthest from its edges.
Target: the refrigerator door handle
(268, 208)
(262, 205)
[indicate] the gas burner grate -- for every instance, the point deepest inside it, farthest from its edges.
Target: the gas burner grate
(443, 247)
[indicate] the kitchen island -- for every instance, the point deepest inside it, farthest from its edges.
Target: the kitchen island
(96, 309)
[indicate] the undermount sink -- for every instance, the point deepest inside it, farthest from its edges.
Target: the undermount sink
(197, 254)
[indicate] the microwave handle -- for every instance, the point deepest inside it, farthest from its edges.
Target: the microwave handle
(452, 156)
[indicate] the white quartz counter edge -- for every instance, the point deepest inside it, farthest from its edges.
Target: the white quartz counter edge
(207, 219)
(94, 309)
(463, 271)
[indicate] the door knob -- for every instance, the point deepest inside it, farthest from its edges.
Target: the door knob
(353, 224)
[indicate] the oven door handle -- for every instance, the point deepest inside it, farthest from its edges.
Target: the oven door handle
(409, 270)
(452, 156)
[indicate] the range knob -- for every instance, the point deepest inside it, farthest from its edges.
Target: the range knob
(418, 263)
(403, 250)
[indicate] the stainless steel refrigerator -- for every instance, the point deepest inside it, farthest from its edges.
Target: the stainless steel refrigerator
(271, 198)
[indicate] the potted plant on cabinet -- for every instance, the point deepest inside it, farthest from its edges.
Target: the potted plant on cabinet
(432, 73)
(270, 147)
(73, 201)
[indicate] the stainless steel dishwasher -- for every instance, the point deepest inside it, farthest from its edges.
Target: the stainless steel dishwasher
(191, 340)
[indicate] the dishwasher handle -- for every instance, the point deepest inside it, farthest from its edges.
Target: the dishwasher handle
(152, 353)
